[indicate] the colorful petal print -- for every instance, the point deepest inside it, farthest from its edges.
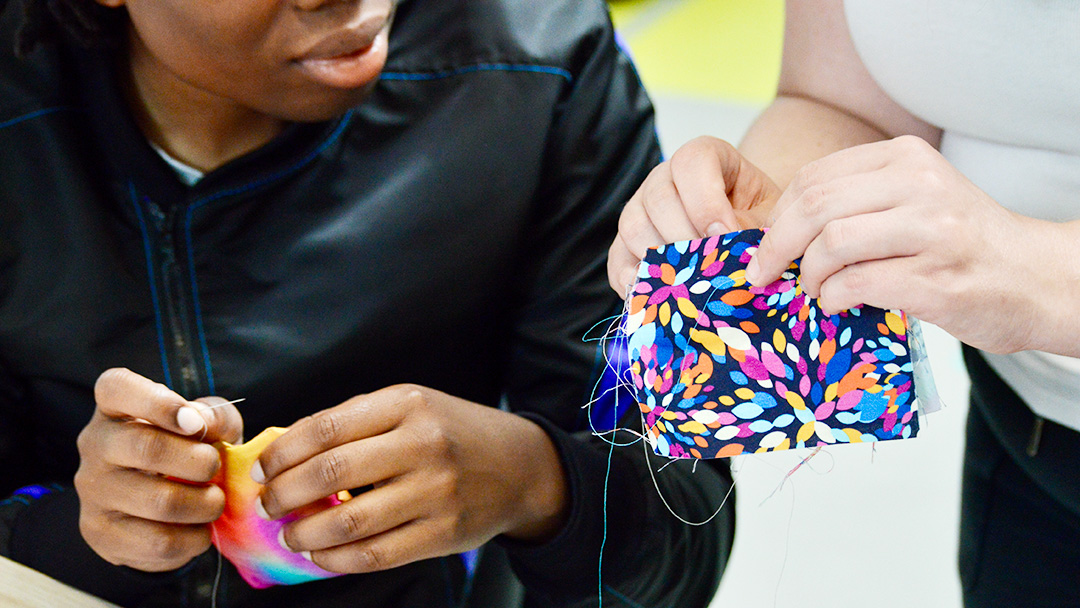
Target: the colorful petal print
(722, 368)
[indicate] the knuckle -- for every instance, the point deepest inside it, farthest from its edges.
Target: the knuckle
(206, 465)
(148, 446)
(950, 223)
(437, 440)
(215, 503)
(813, 200)
(83, 483)
(165, 501)
(834, 238)
(928, 175)
(805, 176)
(85, 440)
(447, 484)
(371, 559)
(414, 395)
(331, 469)
(657, 192)
(690, 154)
(353, 523)
(91, 526)
(169, 545)
(327, 428)
(633, 229)
(911, 144)
(855, 282)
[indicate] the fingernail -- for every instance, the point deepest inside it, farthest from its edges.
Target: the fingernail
(753, 272)
(257, 472)
(281, 540)
(307, 555)
(260, 509)
(715, 229)
(190, 420)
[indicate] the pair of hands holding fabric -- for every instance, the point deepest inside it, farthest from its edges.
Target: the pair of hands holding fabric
(447, 475)
(891, 224)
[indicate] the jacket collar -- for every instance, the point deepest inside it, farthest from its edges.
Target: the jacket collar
(118, 137)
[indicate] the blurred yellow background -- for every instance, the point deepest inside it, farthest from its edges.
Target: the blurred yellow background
(710, 49)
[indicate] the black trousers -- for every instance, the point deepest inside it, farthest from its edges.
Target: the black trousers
(1020, 514)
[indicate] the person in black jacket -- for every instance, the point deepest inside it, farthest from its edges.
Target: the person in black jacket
(391, 239)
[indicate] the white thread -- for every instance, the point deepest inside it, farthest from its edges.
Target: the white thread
(734, 479)
(206, 424)
(217, 576)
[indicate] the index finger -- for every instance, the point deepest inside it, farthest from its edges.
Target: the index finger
(358, 418)
(704, 171)
(121, 393)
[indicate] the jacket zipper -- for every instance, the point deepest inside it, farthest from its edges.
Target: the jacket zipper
(177, 305)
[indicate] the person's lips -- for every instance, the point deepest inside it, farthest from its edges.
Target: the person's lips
(349, 58)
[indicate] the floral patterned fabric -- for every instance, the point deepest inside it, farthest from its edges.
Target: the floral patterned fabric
(721, 368)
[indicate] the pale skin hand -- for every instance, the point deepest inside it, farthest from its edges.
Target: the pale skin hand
(707, 188)
(890, 224)
(131, 514)
(448, 476)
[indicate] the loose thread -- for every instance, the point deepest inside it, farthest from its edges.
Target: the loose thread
(787, 540)
(603, 538)
(213, 530)
(217, 575)
(660, 493)
(790, 473)
(206, 424)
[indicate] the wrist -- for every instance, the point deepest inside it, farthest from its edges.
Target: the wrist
(1053, 287)
(544, 501)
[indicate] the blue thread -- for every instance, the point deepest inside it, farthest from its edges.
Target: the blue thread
(333, 137)
(153, 283)
(36, 114)
(480, 67)
(603, 540)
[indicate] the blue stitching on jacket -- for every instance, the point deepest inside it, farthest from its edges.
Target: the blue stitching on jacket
(333, 137)
(480, 67)
(153, 283)
(22, 500)
(345, 120)
(36, 114)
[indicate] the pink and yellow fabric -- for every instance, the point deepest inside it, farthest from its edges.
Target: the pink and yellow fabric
(249, 541)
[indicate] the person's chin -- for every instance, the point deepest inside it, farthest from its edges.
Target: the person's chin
(326, 104)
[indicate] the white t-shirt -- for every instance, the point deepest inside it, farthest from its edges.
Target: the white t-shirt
(1002, 79)
(185, 172)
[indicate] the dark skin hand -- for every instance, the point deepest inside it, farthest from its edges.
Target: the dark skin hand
(141, 434)
(447, 475)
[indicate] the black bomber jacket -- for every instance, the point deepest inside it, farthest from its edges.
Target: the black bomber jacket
(451, 231)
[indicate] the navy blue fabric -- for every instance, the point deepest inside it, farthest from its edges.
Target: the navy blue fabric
(1020, 514)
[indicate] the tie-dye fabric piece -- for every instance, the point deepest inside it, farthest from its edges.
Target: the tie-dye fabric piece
(722, 368)
(249, 541)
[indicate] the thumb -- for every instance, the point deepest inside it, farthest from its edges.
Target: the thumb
(213, 419)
